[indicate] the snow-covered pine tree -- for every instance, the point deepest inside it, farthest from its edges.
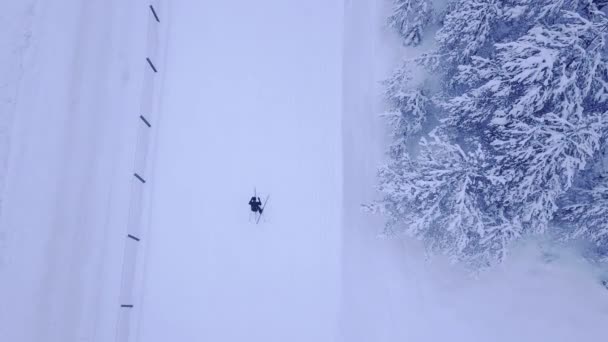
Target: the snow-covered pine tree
(536, 103)
(442, 197)
(524, 87)
(540, 160)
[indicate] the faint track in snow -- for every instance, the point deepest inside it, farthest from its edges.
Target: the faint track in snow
(15, 39)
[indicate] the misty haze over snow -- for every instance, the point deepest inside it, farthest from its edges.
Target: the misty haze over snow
(430, 170)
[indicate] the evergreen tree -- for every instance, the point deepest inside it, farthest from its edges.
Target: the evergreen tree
(521, 110)
(535, 105)
(442, 197)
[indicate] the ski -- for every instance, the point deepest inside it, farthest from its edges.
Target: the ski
(263, 206)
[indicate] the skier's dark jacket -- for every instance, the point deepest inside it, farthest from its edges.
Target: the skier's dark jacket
(255, 203)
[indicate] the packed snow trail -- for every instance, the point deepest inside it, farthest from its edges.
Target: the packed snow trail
(252, 98)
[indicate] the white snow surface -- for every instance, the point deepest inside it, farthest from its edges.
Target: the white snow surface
(15, 37)
(278, 95)
(71, 150)
(252, 100)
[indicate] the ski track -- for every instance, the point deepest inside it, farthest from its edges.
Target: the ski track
(15, 39)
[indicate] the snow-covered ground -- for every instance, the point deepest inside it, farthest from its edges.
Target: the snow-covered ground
(274, 94)
(252, 98)
(71, 157)
(372, 269)
(15, 37)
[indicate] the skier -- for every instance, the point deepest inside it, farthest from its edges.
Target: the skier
(256, 205)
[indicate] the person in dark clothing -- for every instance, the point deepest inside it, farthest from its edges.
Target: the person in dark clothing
(256, 205)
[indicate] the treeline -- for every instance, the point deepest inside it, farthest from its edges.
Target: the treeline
(505, 134)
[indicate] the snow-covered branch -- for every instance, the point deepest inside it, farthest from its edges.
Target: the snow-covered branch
(441, 197)
(410, 18)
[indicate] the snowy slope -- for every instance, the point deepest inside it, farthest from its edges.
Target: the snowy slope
(274, 94)
(69, 169)
(252, 99)
(15, 37)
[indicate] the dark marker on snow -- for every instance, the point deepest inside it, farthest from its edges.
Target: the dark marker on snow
(145, 121)
(154, 12)
(133, 237)
(151, 65)
(139, 177)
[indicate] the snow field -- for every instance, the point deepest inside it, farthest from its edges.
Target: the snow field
(253, 101)
(278, 95)
(69, 171)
